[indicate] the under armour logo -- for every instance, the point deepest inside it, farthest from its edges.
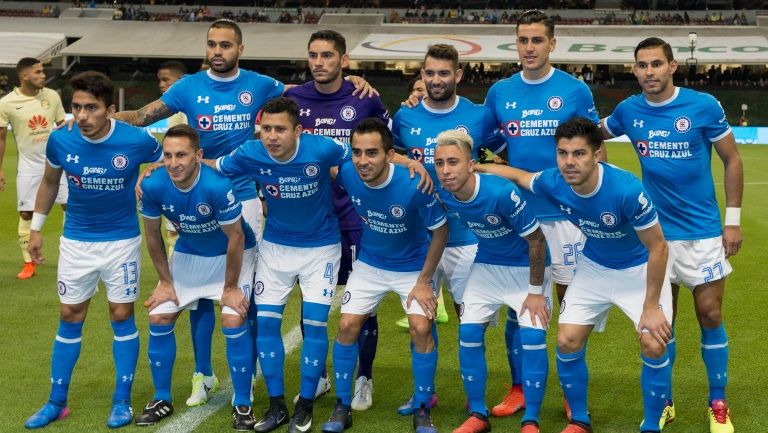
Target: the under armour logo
(512, 105)
(75, 159)
(328, 293)
(415, 131)
(127, 378)
(266, 171)
(57, 381)
(203, 99)
(304, 111)
(356, 200)
(565, 209)
(168, 208)
(314, 362)
(637, 123)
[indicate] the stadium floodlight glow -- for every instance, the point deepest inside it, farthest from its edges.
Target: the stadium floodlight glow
(692, 39)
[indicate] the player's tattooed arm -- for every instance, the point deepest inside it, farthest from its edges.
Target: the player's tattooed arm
(734, 190)
(520, 177)
(652, 319)
(422, 291)
(535, 303)
(145, 115)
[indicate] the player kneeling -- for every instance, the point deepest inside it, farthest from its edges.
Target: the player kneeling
(214, 259)
(510, 268)
(397, 255)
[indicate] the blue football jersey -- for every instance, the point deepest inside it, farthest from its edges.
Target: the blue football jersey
(528, 112)
(298, 191)
(223, 111)
(396, 216)
(101, 175)
(416, 130)
(499, 217)
(197, 213)
(609, 216)
(673, 140)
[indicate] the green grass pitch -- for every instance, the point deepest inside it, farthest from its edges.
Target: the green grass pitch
(29, 320)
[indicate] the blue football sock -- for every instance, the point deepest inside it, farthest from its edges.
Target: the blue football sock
(314, 351)
(344, 360)
(125, 352)
(201, 323)
(514, 347)
(162, 355)
(654, 381)
(535, 370)
(714, 352)
(240, 359)
(66, 350)
(423, 366)
(271, 350)
(672, 352)
(574, 377)
(253, 329)
(367, 342)
(474, 370)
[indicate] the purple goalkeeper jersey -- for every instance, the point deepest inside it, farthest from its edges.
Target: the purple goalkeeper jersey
(336, 115)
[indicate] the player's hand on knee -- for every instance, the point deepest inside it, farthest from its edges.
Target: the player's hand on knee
(362, 87)
(655, 323)
(164, 292)
(425, 182)
(536, 305)
(35, 247)
(732, 239)
(422, 293)
(235, 299)
(146, 173)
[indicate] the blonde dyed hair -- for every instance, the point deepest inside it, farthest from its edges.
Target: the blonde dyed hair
(454, 137)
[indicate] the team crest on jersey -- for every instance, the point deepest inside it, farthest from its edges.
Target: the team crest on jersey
(347, 296)
(463, 129)
(245, 97)
(397, 211)
(417, 153)
(62, 287)
(513, 128)
(562, 306)
(492, 219)
(608, 218)
(642, 148)
(46, 104)
(682, 124)
(75, 180)
(119, 161)
(272, 190)
(311, 170)
(258, 288)
(555, 103)
(348, 112)
(204, 122)
(203, 209)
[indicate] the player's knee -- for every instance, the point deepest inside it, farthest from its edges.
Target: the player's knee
(569, 343)
(25, 215)
(711, 317)
(651, 348)
(161, 319)
(119, 312)
(421, 333)
(349, 328)
(74, 312)
(231, 321)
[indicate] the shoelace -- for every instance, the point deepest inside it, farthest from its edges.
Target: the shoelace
(721, 414)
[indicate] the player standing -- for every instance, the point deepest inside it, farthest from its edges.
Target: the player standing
(623, 264)
(328, 107)
(32, 111)
(397, 255)
(528, 107)
(673, 130)
(510, 268)
(101, 241)
(214, 260)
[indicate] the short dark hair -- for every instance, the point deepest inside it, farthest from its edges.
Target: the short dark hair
(374, 124)
(187, 131)
(282, 105)
(339, 43)
(535, 16)
(580, 127)
(224, 23)
(26, 62)
(95, 83)
(443, 52)
(656, 43)
(175, 66)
